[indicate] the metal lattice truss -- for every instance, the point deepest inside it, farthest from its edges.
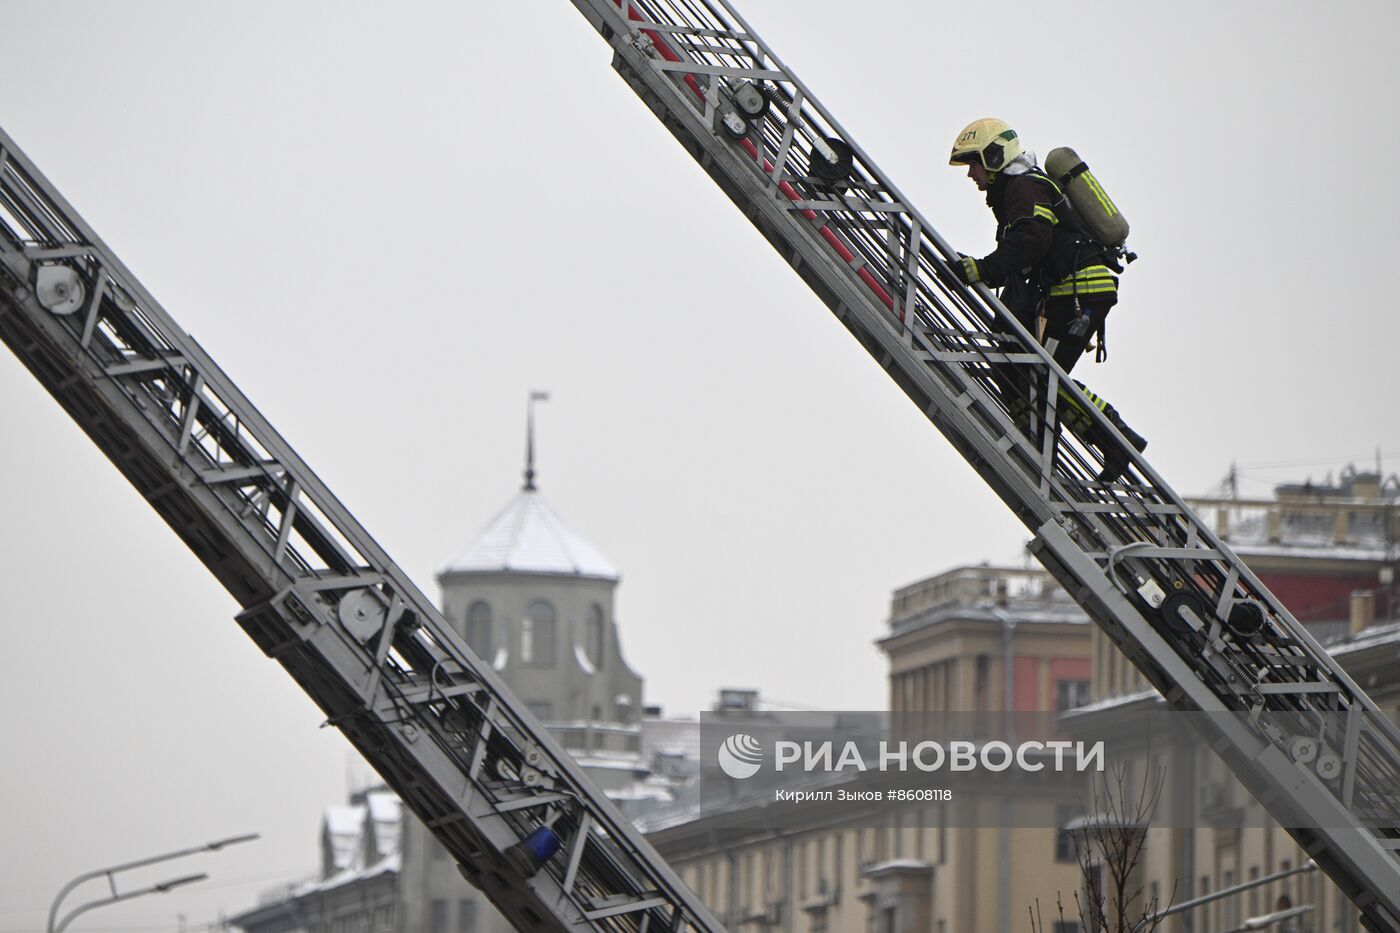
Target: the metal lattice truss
(320, 596)
(1175, 599)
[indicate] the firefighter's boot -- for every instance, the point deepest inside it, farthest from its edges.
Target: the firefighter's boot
(1115, 458)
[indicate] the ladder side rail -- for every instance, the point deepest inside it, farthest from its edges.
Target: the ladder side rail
(379, 576)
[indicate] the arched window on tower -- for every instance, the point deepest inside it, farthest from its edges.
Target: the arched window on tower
(537, 635)
(479, 634)
(593, 634)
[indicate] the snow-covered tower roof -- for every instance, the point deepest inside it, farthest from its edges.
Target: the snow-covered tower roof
(528, 536)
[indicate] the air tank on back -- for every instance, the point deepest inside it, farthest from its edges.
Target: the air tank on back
(1095, 208)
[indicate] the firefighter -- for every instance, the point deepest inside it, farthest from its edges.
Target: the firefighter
(1055, 279)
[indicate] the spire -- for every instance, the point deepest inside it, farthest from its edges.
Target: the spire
(535, 396)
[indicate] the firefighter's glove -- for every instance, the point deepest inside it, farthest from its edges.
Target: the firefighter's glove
(965, 270)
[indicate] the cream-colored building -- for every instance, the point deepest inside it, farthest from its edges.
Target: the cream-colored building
(933, 866)
(990, 640)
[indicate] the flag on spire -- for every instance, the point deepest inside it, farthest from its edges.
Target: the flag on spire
(535, 396)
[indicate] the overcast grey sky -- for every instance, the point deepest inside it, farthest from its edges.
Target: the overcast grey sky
(388, 221)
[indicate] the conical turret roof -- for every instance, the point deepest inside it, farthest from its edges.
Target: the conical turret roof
(528, 536)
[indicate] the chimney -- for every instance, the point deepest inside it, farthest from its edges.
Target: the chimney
(739, 701)
(1363, 609)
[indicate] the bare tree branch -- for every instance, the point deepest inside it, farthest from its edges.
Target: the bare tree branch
(1109, 842)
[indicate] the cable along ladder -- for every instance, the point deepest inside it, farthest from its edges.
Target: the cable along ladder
(1306, 740)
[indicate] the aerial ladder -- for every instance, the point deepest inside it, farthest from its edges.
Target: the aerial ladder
(1298, 733)
(509, 804)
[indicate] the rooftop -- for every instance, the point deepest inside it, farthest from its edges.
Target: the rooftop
(529, 536)
(982, 594)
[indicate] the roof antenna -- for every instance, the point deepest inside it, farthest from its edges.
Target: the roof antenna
(535, 396)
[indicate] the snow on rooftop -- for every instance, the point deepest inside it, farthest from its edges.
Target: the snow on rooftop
(343, 828)
(384, 806)
(390, 863)
(1020, 613)
(386, 810)
(607, 760)
(1114, 702)
(344, 821)
(671, 737)
(1314, 551)
(898, 864)
(528, 536)
(651, 788)
(1366, 638)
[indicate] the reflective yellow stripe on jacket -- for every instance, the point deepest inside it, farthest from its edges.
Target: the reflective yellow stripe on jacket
(1091, 280)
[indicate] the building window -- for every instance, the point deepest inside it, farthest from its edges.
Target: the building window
(466, 916)
(593, 634)
(537, 635)
(479, 629)
(942, 834)
(1066, 926)
(1065, 845)
(438, 920)
(1070, 694)
(802, 869)
(981, 686)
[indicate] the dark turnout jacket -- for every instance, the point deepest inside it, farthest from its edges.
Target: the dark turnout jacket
(1037, 243)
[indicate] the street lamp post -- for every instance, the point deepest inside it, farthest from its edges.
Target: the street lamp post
(160, 888)
(56, 926)
(1307, 866)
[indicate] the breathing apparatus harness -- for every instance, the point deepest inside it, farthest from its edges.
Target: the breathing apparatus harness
(1067, 257)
